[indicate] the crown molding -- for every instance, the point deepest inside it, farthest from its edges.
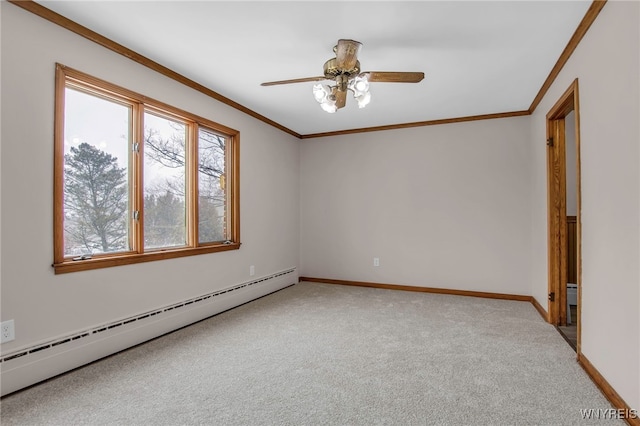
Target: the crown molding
(418, 124)
(589, 18)
(49, 15)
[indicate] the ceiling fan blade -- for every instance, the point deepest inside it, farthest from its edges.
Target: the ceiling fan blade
(394, 77)
(341, 98)
(347, 53)
(295, 80)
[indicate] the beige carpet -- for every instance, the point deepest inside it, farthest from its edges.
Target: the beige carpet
(320, 354)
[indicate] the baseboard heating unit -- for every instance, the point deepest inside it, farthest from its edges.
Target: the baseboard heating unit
(138, 328)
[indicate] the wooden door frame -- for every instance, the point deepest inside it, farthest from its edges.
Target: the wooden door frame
(557, 209)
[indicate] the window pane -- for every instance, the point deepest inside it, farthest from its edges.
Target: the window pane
(164, 182)
(212, 185)
(96, 174)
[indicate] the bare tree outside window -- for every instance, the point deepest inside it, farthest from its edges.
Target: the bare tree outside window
(165, 187)
(166, 149)
(212, 211)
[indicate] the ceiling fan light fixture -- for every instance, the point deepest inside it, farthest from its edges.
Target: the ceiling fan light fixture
(363, 99)
(325, 96)
(329, 106)
(359, 84)
(346, 73)
(321, 92)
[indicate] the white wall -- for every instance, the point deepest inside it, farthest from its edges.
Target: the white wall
(441, 206)
(607, 65)
(46, 306)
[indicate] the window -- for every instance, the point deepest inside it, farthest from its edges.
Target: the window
(137, 180)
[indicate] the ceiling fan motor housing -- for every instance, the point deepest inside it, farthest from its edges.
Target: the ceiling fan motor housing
(331, 69)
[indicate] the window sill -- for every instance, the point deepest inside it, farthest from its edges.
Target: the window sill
(106, 261)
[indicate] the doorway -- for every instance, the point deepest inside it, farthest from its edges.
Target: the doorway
(564, 220)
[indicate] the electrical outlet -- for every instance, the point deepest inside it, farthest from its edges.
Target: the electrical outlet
(8, 332)
(376, 261)
(252, 270)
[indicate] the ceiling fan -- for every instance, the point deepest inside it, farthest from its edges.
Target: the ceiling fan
(344, 69)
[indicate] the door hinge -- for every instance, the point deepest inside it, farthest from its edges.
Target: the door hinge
(136, 147)
(550, 141)
(136, 215)
(552, 296)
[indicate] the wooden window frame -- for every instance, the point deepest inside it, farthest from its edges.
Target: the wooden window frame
(65, 264)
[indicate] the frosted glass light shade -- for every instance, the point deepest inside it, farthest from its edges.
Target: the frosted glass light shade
(320, 92)
(363, 99)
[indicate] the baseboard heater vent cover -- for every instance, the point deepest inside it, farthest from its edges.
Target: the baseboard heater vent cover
(105, 327)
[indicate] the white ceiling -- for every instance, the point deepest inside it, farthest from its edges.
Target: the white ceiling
(478, 57)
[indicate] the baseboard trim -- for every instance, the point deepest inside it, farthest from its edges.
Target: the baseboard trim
(25, 367)
(608, 391)
(487, 295)
(543, 313)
